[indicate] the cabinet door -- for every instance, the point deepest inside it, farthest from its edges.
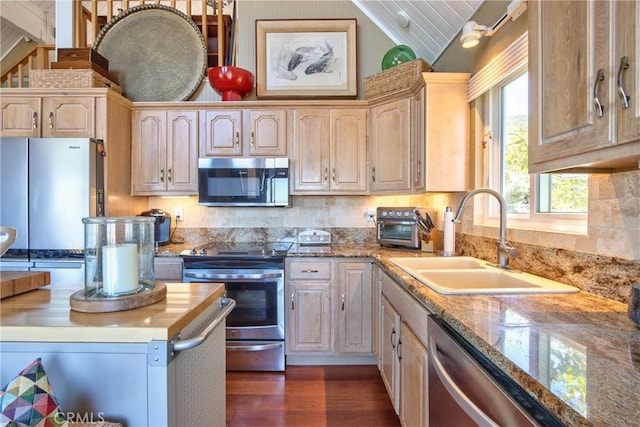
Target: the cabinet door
(390, 140)
(627, 45)
(348, 150)
(149, 148)
(310, 150)
(413, 380)
(309, 319)
(222, 134)
(20, 117)
(182, 152)
(267, 132)
(390, 366)
(68, 117)
(354, 310)
(568, 62)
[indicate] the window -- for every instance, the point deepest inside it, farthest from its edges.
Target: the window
(534, 201)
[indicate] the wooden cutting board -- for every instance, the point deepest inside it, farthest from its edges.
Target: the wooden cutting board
(18, 282)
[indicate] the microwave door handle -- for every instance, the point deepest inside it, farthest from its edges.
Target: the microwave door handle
(264, 173)
(242, 175)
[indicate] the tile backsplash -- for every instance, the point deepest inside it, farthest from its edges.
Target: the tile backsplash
(604, 260)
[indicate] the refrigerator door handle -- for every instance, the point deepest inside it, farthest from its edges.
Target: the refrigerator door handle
(181, 345)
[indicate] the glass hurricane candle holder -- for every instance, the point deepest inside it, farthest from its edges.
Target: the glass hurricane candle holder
(118, 253)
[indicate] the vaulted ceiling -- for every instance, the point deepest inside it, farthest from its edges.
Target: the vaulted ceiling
(428, 26)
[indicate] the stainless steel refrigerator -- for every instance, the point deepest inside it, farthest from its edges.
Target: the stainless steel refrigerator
(47, 185)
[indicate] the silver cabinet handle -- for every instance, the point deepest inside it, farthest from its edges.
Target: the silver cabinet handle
(228, 305)
(252, 135)
(342, 299)
(333, 174)
(596, 89)
(169, 174)
(161, 174)
(292, 299)
(455, 392)
(34, 120)
(51, 120)
(399, 350)
(624, 66)
(309, 271)
(237, 138)
(393, 335)
(373, 175)
(326, 172)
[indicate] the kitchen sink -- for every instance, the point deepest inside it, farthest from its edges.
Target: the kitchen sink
(438, 263)
(467, 275)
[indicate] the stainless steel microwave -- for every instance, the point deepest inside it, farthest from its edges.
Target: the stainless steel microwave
(243, 181)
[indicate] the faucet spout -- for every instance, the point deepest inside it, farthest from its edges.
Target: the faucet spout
(505, 250)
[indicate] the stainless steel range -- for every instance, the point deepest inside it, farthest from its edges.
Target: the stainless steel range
(253, 274)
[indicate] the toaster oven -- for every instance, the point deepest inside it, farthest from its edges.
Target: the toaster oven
(403, 226)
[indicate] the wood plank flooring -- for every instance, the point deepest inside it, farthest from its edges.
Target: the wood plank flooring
(309, 396)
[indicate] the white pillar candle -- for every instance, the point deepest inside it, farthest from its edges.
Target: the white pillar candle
(119, 268)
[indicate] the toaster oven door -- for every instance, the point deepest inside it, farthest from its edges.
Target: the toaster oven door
(398, 233)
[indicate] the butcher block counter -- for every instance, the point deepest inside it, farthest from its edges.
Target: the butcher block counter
(44, 315)
(161, 364)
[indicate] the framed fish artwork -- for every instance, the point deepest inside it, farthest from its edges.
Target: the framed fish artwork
(306, 58)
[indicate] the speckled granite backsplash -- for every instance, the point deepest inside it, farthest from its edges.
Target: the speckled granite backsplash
(601, 275)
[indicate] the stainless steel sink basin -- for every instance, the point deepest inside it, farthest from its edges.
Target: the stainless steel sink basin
(467, 275)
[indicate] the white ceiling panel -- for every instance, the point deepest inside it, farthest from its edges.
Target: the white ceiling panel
(432, 24)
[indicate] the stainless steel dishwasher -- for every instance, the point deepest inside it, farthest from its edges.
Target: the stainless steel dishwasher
(466, 389)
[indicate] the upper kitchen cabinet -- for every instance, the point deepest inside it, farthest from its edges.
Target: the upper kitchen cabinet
(419, 141)
(255, 132)
(329, 151)
(48, 116)
(164, 155)
(584, 74)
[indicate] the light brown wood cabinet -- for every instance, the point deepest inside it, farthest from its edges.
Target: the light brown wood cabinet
(164, 154)
(403, 352)
(577, 82)
(308, 294)
(254, 132)
(329, 151)
(48, 116)
(329, 307)
(419, 141)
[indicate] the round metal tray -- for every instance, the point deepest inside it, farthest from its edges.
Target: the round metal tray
(155, 53)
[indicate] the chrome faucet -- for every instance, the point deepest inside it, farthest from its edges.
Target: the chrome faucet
(505, 250)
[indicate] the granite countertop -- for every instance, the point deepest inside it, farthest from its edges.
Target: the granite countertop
(578, 354)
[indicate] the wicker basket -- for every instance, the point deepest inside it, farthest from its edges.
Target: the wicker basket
(82, 78)
(396, 78)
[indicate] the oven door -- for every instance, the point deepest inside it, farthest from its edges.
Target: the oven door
(259, 296)
(398, 233)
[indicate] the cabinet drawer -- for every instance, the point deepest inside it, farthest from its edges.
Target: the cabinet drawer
(309, 270)
(168, 269)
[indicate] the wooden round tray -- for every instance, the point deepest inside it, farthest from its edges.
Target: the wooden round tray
(92, 304)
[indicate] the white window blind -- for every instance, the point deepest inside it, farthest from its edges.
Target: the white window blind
(500, 67)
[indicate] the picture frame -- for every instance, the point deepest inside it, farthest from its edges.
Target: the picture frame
(306, 58)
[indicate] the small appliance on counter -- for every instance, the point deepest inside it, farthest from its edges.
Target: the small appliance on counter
(162, 228)
(408, 227)
(314, 241)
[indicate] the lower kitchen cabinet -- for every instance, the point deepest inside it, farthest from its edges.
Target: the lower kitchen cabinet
(390, 364)
(168, 269)
(413, 379)
(329, 308)
(403, 352)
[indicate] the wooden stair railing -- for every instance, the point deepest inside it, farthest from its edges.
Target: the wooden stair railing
(17, 75)
(101, 11)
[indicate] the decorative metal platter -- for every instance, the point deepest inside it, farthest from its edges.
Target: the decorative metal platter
(155, 53)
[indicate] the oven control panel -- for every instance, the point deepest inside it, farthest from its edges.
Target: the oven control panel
(314, 237)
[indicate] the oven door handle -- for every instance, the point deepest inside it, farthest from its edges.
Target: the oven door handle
(232, 276)
(253, 347)
(227, 304)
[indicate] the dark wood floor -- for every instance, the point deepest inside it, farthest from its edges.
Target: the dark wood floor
(309, 396)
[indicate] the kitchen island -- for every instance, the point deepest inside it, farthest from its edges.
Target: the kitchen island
(136, 366)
